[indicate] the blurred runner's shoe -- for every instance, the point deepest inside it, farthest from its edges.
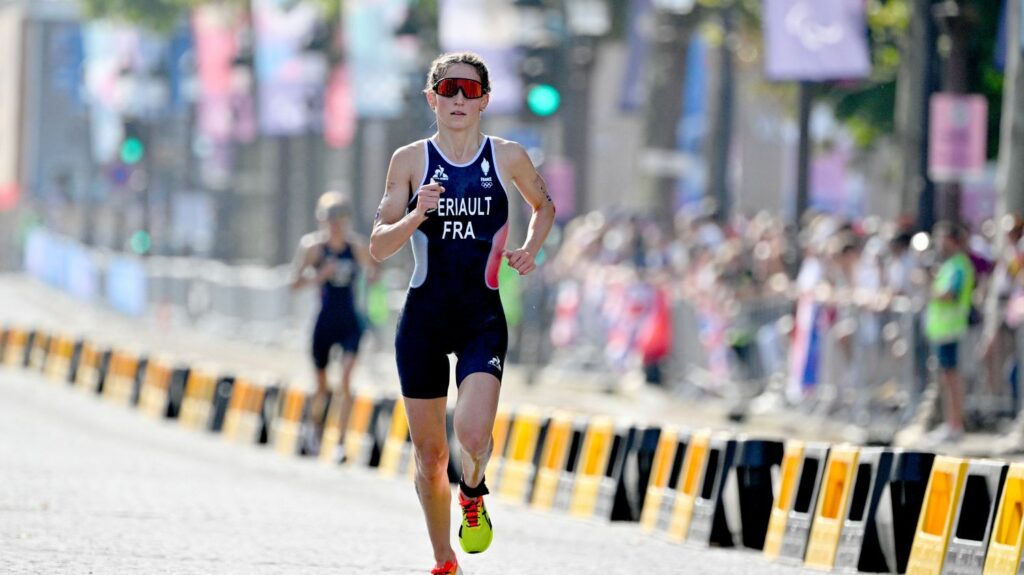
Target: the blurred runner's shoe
(449, 568)
(941, 436)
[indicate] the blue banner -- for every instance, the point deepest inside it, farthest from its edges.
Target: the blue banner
(378, 65)
(126, 285)
(633, 83)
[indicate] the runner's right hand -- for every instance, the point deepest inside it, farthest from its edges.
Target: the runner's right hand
(325, 272)
(427, 198)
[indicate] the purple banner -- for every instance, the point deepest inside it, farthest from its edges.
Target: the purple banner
(815, 40)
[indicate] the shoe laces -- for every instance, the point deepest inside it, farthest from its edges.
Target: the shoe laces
(471, 509)
(447, 569)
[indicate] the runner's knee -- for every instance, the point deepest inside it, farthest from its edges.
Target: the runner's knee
(475, 440)
(432, 461)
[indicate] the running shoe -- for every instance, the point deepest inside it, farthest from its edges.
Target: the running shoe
(475, 533)
(449, 568)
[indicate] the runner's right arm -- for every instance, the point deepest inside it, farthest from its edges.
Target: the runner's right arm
(392, 226)
(304, 268)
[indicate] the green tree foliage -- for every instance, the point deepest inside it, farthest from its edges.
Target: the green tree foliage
(158, 15)
(867, 107)
(163, 15)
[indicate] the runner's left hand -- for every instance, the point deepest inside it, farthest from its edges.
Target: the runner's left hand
(521, 261)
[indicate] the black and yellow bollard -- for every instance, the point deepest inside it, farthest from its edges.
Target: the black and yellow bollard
(750, 493)
(790, 524)
(1004, 548)
(859, 547)
(662, 486)
(557, 444)
(519, 462)
(972, 524)
(935, 525)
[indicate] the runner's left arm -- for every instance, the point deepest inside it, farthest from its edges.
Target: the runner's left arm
(533, 189)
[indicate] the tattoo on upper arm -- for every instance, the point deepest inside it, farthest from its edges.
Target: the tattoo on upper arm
(539, 181)
(383, 201)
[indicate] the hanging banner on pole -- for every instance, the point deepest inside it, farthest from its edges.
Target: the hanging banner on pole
(815, 40)
(959, 132)
(290, 77)
(225, 106)
(376, 60)
(339, 110)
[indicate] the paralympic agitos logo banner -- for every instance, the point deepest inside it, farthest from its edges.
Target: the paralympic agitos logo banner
(815, 40)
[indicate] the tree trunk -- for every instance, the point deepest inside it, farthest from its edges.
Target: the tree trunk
(721, 114)
(1010, 179)
(582, 56)
(803, 153)
(914, 87)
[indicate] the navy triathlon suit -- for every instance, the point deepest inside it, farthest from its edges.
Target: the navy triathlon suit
(338, 323)
(453, 305)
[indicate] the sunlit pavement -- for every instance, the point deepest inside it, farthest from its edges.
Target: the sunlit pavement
(89, 487)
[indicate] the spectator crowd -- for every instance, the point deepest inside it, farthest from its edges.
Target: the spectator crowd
(860, 317)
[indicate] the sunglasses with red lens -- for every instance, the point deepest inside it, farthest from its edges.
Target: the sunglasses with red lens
(449, 87)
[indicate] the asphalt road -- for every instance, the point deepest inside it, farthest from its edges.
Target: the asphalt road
(89, 487)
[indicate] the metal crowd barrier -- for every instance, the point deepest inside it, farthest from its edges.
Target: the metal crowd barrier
(847, 357)
(250, 301)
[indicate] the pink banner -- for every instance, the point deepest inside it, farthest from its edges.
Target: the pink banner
(8, 196)
(959, 132)
(340, 110)
(225, 104)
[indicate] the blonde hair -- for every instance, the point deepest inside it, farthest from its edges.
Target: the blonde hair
(333, 205)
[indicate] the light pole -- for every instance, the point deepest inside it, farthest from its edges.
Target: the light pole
(671, 33)
(803, 159)
(953, 47)
(914, 87)
(721, 114)
(588, 21)
(144, 96)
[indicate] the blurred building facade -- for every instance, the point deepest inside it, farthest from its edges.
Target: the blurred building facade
(215, 137)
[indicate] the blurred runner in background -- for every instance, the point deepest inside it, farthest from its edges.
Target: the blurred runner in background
(331, 258)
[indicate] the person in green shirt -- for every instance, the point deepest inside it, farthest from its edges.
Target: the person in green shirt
(946, 323)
